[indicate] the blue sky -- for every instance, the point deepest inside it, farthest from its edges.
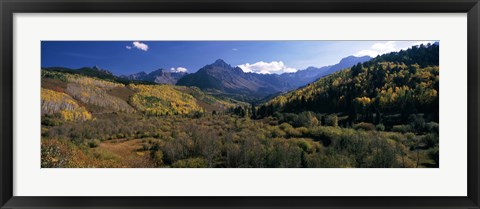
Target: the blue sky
(127, 57)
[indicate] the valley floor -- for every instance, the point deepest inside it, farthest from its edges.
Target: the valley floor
(226, 141)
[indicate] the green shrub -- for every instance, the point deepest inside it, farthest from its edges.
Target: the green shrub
(305, 145)
(410, 136)
(433, 153)
(417, 122)
(285, 126)
(157, 157)
(102, 154)
(430, 140)
(51, 121)
(303, 130)
(145, 146)
(380, 127)
(326, 135)
(385, 155)
(276, 132)
(331, 120)
(191, 163)
(293, 133)
(431, 127)
(364, 126)
(402, 128)
(93, 143)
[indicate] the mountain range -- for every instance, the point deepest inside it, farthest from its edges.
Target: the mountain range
(222, 78)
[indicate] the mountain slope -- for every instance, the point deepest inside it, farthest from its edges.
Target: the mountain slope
(77, 97)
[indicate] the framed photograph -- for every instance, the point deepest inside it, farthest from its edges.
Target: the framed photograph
(239, 104)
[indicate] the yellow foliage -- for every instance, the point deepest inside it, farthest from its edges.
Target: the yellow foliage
(163, 100)
(364, 101)
(61, 104)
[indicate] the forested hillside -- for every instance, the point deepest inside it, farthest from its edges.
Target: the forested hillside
(399, 85)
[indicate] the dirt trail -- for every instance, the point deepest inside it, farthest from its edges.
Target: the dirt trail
(124, 153)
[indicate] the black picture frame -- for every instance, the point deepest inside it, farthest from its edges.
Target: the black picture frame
(10, 7)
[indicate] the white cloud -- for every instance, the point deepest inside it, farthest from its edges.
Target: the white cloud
(178, 70)
(386, 47)
(365, 52)
(235, 49)
(267, 67)
(128, 47)
(422, 42)
(140, 46)
(378, 48)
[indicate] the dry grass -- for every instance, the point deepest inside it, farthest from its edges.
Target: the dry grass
(123, 92)
(123, 153)
(54, 84)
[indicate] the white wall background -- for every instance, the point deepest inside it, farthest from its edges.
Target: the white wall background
(448, 180)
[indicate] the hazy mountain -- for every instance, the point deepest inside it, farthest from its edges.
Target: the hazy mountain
(220, 76)
(160, 76)
(304, 77)
(137, 76)
(345, 63)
